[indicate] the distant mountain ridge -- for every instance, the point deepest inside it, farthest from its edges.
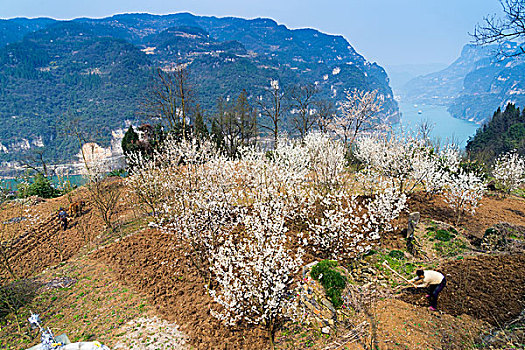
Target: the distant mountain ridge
(472, 87)
(97, 70)
(13, 30)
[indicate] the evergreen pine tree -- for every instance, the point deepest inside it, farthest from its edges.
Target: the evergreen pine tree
(503, 133)
(216, 135)
(200, 129)
(130, 141)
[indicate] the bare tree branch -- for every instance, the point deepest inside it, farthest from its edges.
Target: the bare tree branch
(360, 112)
(497, 30)
(302, 98)
(325, 115)
(170, 98)
(270, 106)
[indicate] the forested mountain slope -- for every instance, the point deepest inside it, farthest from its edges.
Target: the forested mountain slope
(503, 133)
(98, 71)
(474, 85)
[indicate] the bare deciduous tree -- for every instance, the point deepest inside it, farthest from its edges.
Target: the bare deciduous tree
(170, 98)
(325, 114)
(302, 100)
(497, 30)
(360, 112)
(237, 121)
(270, 106)
(104, 194)
(35, 161)
(424, 130)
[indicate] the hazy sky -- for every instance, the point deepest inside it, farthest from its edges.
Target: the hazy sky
(390, 32)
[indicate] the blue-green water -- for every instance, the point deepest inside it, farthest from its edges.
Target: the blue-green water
(445, 127)
(74, 180)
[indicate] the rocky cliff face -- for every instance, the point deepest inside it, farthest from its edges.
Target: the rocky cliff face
(476, 84)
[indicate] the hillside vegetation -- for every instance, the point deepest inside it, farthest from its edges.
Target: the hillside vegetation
(94, 75)
(504, 132)
(225, 251)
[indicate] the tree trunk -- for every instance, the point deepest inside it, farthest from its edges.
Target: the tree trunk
(271, 334)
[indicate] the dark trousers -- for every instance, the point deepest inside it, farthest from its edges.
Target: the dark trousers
(63, 221)
(434, 290)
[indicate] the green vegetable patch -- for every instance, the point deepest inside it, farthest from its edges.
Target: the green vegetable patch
(332, 280)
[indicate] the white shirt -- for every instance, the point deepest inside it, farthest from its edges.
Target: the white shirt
(430, 277)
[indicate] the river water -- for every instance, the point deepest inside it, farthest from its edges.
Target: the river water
(73, 180)
(446, 128)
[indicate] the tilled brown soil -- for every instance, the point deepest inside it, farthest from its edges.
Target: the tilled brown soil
(39, 242)
(405, 326)
(45, 245)
(492, 210)
(487, 287)
(150, 262)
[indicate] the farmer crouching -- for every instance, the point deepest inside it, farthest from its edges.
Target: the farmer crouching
(435, 281)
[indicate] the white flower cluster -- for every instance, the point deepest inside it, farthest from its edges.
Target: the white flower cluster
(408, 162)
(327, 158)
(336, 224)
(385, 208)
(234, 216)
(434, 169)
(509, 171)
(394, 158)
(342, 225)
(255, 273)
(463, 192)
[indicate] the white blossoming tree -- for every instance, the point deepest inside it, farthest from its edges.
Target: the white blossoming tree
(407, 162)
(234, 217)
(256, 274)
(327, 159)
(509, 171)
(359, 113)
(392, 157)
(343, 226)
(463, 192)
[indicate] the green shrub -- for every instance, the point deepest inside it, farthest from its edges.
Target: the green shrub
(331, 279)
(397, 254)
(334, 294)
(443, 235)
(118, 173)
(40, 186)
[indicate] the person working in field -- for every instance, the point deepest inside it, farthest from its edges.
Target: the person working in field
(62, 216)
(435, 281)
